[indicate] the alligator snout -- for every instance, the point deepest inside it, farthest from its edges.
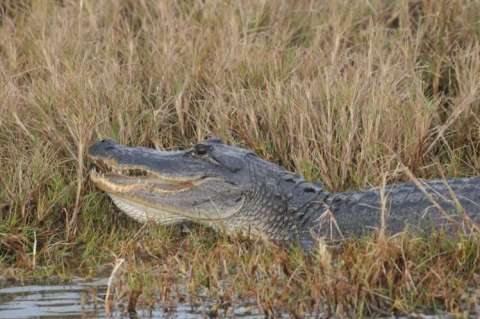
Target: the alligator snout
(102, 148)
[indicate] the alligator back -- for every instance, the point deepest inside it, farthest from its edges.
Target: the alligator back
(423, 206)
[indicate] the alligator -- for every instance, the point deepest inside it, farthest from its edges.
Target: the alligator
(232, 189)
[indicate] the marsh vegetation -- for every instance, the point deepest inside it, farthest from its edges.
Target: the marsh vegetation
(351, 93)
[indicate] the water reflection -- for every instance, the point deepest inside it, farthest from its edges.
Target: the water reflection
(84, 299)
(75, 300)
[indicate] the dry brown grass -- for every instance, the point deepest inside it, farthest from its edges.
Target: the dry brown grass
(340, 91)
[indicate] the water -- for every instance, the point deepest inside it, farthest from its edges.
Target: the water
(84, 299)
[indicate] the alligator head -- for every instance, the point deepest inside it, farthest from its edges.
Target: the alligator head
(211, 183)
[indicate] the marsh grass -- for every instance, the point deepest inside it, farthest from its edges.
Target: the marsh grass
(343, 92)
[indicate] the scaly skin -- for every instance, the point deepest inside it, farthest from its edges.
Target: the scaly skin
(426, 207)
(233, 189)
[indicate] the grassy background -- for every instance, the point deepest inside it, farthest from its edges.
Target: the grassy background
(341, 91)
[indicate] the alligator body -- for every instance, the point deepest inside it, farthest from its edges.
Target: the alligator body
(231, 188)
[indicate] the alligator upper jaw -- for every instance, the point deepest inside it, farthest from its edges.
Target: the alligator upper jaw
(113, 178)
(121, 169)
(119, 183)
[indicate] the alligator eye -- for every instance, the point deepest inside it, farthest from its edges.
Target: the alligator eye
(309, 189)
(202, 149)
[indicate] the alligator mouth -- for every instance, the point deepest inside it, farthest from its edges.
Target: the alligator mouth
(114, 178)
(136, 186)
(163, 185)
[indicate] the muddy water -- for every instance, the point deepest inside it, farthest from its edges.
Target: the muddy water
(84, 299)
